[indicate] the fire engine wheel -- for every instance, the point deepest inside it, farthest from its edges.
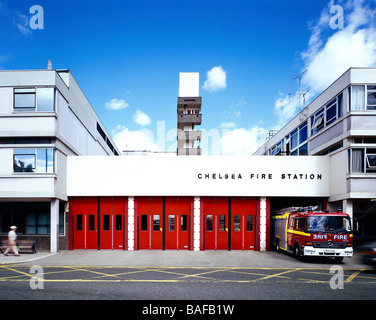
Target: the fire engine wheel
(297, 252)
(277, 247)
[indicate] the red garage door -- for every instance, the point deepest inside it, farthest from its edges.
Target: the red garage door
(98, 223)
(215, 223)
(149, 214)
(243, 212)
(113, 223)
(177, 223)
(163, 222)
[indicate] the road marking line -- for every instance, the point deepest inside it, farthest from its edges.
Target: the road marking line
(353, 276)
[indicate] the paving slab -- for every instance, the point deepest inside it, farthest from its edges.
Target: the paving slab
(254, 259)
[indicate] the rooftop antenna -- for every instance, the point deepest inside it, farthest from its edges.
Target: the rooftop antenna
(302, 109)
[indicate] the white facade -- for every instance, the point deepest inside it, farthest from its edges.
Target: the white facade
(341, 124)
(213, 176)
(44, 118)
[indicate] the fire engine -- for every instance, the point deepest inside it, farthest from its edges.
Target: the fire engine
(305, 232)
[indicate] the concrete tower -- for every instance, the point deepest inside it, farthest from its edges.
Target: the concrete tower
(189, 116)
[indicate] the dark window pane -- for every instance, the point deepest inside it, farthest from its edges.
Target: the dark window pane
(249, 223)
(183, 223)
(106, 222)
(144, 222)
(91, 222)
(209, 222)
(118, 222)
(79, 222)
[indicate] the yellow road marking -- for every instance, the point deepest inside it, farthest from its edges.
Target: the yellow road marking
(181, 277)
(277, 274)
(352, 276)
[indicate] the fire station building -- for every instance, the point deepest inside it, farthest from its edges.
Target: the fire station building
(64, 182)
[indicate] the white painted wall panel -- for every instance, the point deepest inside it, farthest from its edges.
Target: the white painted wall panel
(180, 176)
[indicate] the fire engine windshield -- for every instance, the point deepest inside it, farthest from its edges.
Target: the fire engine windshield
(334, 224)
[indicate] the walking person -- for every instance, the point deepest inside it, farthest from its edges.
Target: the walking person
(12, 236)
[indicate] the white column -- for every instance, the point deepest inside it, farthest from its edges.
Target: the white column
(262, 224)
(54, 226)
(196, 224)
(347, 207)
(130, 223)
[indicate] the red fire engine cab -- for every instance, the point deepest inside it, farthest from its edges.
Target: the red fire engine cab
(305, 232)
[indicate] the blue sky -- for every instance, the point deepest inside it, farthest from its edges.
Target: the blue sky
(130, 53)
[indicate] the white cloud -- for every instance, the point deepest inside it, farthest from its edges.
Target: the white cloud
(330, 53)
(126, 139)
(227, 125)
(141, 118)
(216, 79)
(353, 46)
(22, 23)
(116, 104)
(242, 141)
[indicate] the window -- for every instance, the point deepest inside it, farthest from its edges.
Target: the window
(357, 98)
(371, 161)
(298, 140)
(91, 222)
(328, 224)
(45, 99)
(331, 112)
(303, 150)
(144, 222)
(294, 139)
(171, 222)
(40, 160)
(222, 222)
(303, 133)
(317, 121)
(184, 222)
(249, 223)
(357, 160)
(79, 222)
(34, 99)
(371, 97)
(33, 217)
(156, 222)
(209, 222)
(24, 99)
(277, 149)
(106, 222)
(362, 160)
(24, 160)
(299, 224)
(327, 114)
(237, 223)
(118, 222)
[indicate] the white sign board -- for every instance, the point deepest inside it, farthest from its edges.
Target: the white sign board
(251, 176)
